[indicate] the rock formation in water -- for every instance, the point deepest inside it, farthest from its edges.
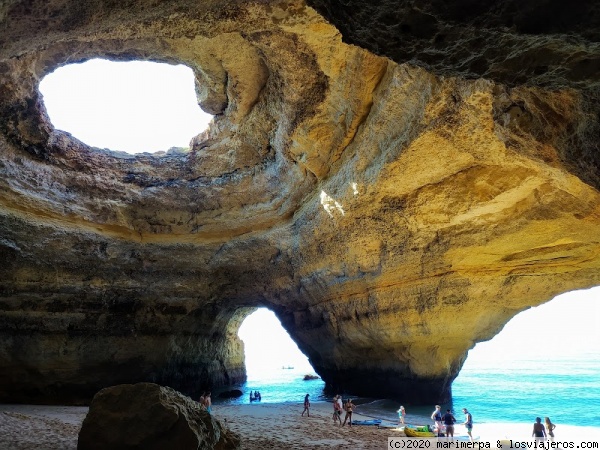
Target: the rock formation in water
(392, 213)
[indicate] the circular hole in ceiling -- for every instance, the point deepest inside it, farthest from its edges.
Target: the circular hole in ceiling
(135, 107)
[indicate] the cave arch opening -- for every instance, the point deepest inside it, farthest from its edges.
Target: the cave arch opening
(275, 366)
(545, 362)
(133, 106)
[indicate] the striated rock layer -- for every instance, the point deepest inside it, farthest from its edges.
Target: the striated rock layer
(390, 216)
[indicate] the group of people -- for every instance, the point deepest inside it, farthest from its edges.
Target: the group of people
(441, 421)
(255, 396)
(339, 406)
(449, 420)
(206, 401)
(540, 432)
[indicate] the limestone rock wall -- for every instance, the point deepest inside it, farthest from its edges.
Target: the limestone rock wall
(431, 255)
(391, 215)
(540, 43)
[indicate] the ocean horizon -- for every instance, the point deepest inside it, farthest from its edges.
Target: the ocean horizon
(565, 390)
(544, 363)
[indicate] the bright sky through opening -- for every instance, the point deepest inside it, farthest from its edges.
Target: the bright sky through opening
(568, 324)
(136, 106)
(268, 347)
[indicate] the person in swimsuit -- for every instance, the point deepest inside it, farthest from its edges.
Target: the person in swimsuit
(468, 423)
(208, 402)
(401, 414)
(549, 428)
(349, 407)
(306, 406)
(449, 421)
(337, 411)
(538, 430)
(436, 416)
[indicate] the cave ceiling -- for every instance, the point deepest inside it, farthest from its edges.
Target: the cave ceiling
(379, 175)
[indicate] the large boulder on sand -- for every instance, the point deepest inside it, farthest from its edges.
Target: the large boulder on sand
(148, 416)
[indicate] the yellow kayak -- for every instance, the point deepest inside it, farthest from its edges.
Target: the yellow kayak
(421, 431)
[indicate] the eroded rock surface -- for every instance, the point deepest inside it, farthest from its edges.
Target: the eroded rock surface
(390, 216)
(542, 43)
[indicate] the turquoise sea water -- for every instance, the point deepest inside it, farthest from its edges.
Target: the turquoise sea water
(566, 390)
(545, 362)
(280, 386)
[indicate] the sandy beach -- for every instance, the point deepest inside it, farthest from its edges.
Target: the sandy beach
(261, 426)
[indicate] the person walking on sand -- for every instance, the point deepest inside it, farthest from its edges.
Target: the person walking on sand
(306, 406)
(538, 430)
(401, 414)
(436, 416)
(549, 428)
(468, 423)
(349, 408)
(449, 420)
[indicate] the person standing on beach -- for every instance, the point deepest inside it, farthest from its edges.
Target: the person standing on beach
(208, 402)
(401, 414)
(337, 411)
(538, 430)
(436, 416)
(549, 428)
(306, 406)
(349, 407)
(449, 421)
(468, 423)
